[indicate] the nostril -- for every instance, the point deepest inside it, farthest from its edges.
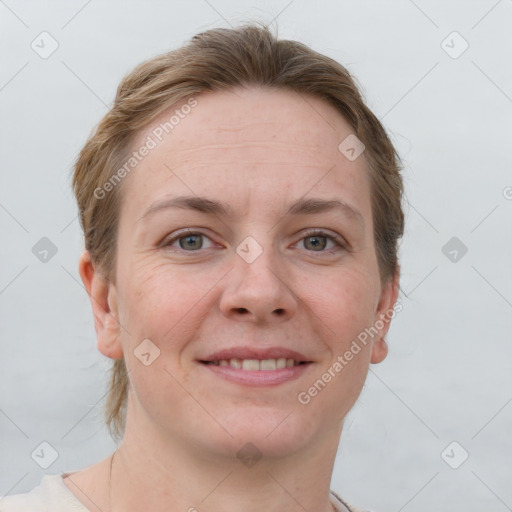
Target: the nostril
(242, 310)
(279, 311)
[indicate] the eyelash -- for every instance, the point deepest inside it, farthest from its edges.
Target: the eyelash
(338, 240)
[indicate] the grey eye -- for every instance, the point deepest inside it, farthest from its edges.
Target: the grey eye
(193, 242)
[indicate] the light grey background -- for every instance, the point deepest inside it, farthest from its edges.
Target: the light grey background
(448, 375)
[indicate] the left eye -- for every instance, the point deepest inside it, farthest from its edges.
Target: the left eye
(318, 242)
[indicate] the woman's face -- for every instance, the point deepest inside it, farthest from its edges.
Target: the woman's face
(246, 228)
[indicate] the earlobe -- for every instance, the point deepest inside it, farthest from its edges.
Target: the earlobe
(379, 350)
(102, 295)
(384, 314)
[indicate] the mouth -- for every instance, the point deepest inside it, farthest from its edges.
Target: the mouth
(257, 364)
(255, 371)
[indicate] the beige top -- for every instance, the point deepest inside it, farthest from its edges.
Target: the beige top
(52, 495)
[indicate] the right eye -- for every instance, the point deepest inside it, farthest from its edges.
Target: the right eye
(188, 241)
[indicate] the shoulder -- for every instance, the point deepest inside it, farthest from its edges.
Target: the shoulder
(342, 506)
(32, 500)
(50, 495)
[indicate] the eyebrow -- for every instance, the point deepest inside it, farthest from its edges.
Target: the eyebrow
(300, 207)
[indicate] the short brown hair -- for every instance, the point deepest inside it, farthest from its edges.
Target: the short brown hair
(222, 59)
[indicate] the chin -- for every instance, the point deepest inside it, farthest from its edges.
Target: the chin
(268, 432)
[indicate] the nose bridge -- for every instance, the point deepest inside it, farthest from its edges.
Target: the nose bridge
(258, 264)
(258, 287)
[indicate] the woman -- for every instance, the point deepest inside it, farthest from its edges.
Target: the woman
(241, 208)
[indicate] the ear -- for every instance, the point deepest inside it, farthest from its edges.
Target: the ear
(384, 314)
(103, 297)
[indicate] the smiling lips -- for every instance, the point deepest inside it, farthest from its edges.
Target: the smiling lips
(256, 364)
(251, 366)
(246, 358)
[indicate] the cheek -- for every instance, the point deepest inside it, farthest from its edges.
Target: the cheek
(344, 309)
(161, 304)
(157, 306)
(353, 312)
(344, 302)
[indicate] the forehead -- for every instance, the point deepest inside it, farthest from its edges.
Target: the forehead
(245, 114)
(247, 137)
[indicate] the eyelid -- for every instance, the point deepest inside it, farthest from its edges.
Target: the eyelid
(335, 237)
(174, 237)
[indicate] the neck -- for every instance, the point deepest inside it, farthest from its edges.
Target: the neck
(150, 472)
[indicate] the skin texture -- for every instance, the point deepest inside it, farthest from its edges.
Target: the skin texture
(258, 151)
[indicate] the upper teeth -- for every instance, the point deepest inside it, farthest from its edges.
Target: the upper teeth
(256, 364)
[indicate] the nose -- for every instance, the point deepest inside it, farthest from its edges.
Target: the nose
(259, 291)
